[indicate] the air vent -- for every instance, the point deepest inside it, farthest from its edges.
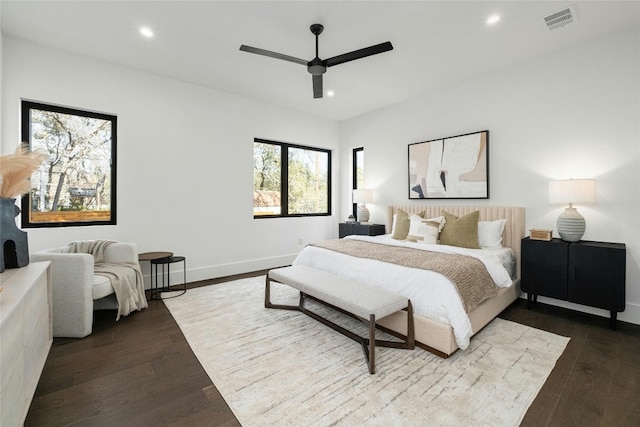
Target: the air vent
(561, 18)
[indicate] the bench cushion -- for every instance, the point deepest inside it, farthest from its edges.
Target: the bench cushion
(356, 298)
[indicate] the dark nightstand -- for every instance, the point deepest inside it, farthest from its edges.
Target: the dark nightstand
(348, 228)
(584, 272)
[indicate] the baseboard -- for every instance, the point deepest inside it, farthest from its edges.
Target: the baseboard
(631, 314)
(223, 270)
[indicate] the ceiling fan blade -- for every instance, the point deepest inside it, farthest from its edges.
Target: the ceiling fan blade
(271, 54)
(360, 53)
(317, 86)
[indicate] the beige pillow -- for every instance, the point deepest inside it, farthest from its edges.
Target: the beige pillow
(462, 232)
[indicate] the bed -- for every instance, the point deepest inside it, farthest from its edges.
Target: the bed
(442, 325)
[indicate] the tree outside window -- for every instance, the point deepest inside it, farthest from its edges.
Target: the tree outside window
(266, 179)
(290, 180)
(76, 185)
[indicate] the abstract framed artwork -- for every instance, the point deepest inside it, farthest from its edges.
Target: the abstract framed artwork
(456, 167)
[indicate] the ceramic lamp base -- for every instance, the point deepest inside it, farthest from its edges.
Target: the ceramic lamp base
(363, 213)
(571, 225)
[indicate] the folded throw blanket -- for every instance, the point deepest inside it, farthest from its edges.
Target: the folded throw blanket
(126, 278)
(93, 247)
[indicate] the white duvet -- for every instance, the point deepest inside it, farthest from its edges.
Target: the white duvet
(432, 294)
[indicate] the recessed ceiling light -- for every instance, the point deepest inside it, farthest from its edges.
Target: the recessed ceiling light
(493, 19)
(146, 31)
(330, 93)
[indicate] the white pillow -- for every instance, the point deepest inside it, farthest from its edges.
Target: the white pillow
(490, 233)
(425, 231)
(428, 233)
(414, 221)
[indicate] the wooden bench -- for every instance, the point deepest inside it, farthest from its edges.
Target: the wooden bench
(364, 302)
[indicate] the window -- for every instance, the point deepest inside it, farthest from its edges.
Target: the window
(77, 184)
(290, 180)
(358, 173)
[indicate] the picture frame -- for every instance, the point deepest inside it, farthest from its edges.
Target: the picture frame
(455, 167)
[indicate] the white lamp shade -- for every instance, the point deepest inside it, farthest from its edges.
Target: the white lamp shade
(362, 196)
(572, 191)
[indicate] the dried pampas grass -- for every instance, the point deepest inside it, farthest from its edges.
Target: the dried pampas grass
(16, 169)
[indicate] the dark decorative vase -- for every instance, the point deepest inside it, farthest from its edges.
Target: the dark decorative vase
(14, 248)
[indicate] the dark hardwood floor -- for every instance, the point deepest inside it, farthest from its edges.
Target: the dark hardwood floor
(142, 372)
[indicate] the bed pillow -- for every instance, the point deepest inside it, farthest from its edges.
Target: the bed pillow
(425, 231)
(414, 222)
(490, 233)
(400, 225)
(462, 232)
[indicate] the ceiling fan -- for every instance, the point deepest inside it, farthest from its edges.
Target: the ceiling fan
(317, 67)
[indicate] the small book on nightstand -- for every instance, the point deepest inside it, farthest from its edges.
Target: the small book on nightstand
(540, 234)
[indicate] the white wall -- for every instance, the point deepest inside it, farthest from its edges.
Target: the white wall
(1, 82)
(573, 114)
(184, 160)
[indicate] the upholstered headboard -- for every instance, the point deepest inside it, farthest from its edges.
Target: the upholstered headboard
(513, 230)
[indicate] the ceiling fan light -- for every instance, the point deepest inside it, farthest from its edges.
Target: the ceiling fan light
(317, 70)
(316, 67)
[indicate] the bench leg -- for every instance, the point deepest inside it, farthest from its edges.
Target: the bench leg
(372, 344)
(269, 304)
(267, 293)
(411, 335)
(409, 344)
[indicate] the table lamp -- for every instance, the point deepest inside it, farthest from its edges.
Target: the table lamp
(362, 197)
(571, 224)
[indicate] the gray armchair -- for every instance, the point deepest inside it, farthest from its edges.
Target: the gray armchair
(77, 291)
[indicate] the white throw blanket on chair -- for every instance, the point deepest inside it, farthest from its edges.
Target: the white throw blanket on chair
(126, 279)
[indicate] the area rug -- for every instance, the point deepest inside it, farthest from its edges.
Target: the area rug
(280, 367)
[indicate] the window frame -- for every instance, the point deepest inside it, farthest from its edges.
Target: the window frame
(284, 179)
(354, 177)
(25, 126)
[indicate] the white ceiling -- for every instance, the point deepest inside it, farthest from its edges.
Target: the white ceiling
(436, 43)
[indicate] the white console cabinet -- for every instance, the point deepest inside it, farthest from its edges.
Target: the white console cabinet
(26, 334)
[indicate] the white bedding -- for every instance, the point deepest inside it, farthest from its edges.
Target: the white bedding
(432, 295)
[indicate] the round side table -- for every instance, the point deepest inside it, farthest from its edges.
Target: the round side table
(166, 286)
(153, 256)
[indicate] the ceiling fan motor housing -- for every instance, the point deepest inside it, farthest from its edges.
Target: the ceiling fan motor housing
(316, 67)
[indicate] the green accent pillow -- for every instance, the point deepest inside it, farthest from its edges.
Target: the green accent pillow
(462, 232)
(401, 225)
